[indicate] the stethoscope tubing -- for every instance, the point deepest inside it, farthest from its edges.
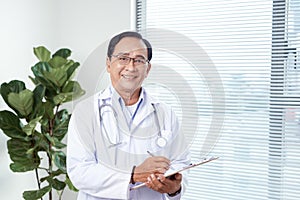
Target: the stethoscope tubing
(160, 141)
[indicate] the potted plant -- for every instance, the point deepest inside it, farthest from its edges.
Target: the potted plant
(37, 123)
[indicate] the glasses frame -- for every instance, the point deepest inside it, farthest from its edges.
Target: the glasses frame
(126, 62)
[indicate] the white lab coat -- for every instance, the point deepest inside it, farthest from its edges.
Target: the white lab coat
(102, 171)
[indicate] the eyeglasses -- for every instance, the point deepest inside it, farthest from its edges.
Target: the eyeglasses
(125, 60)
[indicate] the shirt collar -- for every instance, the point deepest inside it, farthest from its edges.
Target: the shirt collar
(121, 101)
(110, 93)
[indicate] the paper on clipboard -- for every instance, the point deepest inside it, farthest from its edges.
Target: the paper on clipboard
(180, 170)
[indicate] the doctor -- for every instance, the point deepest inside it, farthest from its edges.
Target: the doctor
(122, 136)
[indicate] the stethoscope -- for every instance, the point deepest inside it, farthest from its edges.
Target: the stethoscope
(160, 140)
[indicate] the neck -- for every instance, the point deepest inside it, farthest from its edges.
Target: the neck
(130, 97)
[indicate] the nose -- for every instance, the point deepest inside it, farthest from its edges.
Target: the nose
(130, 65)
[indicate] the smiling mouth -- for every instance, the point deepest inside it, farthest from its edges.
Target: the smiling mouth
(128, 77)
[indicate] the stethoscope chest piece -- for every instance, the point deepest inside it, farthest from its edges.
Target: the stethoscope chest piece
(161, 142)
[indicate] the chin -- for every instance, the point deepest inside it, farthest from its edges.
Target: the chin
(127, 87)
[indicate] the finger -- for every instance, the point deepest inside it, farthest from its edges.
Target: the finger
(154, 183)
(161, 178)
(154, 179)
(178, 176)
(161, 164)
(162, 159)
(150, 182)
(160, 171)
(157, 171)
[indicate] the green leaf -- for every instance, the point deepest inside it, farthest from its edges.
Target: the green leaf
(75, 88)
(42, 53)
(11, 125)
(71, 69)
(65, 53)
(21, 154)
(40, 142)
(39, 93)
(57, 184)
(70, 91)
(57, 173)
(22, 101)
(50, 94)
(47, 117)
(17, 148)
(52, 78)
(55, 142)
(49, 109)
(54, 182)
(57, 61)
(39, 71)
(59, 158)
(38, 107)
(70, 184)
(14, 86)
(61, 122)
(35, 82)
(61, 98)
(30, 127)
(22, 167)
(45, 178)
(36, 194)
(57, 76)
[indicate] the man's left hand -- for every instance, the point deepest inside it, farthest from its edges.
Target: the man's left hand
(164, 185)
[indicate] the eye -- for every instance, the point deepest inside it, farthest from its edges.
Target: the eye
(140, 61)
(122, 58)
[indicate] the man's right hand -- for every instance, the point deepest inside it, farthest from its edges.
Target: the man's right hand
(153, 165)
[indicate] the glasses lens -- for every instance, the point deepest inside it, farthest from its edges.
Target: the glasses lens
(123, 60)
(139, 61)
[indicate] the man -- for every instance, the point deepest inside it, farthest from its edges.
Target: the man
(112, 133)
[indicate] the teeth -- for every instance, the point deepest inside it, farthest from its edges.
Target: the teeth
(127, 76)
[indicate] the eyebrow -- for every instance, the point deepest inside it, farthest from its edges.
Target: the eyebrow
(127, 54)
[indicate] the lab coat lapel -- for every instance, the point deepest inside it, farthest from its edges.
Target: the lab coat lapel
(110, 95)
(144, 111)
(122, 122)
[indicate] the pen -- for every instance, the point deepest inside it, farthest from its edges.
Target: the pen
(151, 154)
(142, 184)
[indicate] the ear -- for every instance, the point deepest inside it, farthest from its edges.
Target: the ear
(148, 69)
(108, 62)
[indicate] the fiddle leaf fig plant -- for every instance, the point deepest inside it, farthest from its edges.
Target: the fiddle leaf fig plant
(37, 124)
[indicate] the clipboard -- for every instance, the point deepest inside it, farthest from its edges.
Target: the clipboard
(180, 170)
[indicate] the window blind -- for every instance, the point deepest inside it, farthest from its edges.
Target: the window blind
(230, 70)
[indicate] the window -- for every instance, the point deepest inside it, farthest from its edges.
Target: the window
(231, 71)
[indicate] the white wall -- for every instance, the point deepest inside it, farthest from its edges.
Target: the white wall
(83, 26)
